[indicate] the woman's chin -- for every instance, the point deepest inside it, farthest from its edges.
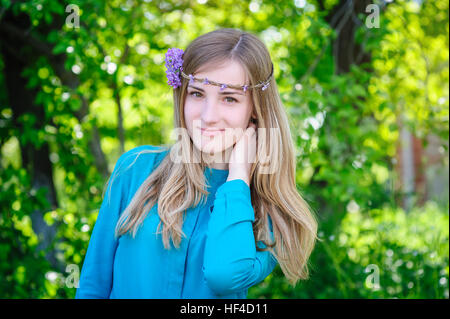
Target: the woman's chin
(210, 148)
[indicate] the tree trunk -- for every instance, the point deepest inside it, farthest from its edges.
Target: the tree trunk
(13, 30)
(343, 19)
(35, 159)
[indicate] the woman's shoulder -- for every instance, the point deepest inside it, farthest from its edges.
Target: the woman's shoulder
(140, 157)
(145, 149)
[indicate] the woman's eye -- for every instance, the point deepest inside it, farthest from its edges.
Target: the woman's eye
(192, 93)
(229, 99)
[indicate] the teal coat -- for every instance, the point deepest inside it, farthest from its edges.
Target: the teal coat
(218, 259)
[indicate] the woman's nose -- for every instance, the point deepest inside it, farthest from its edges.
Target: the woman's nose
(210, 112)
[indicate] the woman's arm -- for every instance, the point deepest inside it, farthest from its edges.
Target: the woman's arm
(231, 262)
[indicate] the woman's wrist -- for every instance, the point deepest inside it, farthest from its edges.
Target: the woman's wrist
(238, 175)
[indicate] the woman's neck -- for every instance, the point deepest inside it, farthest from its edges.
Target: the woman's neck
(217, 160)
(221, 166)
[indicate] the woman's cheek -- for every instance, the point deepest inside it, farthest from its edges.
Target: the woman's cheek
(189, 117)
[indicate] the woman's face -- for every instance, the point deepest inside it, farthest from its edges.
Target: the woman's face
(226, 113)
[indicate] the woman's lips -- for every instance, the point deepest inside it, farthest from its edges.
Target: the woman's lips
(210, 132)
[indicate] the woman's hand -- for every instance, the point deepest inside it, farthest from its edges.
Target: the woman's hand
(243, 156)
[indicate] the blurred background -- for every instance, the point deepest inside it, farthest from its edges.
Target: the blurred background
(365, 85)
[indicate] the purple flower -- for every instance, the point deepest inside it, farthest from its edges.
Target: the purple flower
(245, 88)
(174, 65)
(223, 86)
(206, 81)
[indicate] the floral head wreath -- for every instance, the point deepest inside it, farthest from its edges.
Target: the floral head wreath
(174, 65)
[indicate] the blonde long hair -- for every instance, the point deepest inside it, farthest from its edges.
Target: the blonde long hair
(176, 187)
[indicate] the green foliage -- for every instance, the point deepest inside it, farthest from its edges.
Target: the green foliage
(380, 253)
(21, 265)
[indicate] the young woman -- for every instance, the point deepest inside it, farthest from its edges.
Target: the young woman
(213, 214)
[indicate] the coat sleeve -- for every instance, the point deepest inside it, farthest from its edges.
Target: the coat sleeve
(97, 272)
(231, 261)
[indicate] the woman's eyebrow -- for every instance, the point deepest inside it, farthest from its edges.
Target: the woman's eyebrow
(223, 93)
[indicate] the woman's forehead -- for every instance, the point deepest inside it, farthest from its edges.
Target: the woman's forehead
(229, 72)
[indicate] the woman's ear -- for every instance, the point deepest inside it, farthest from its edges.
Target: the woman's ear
(253, 117)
